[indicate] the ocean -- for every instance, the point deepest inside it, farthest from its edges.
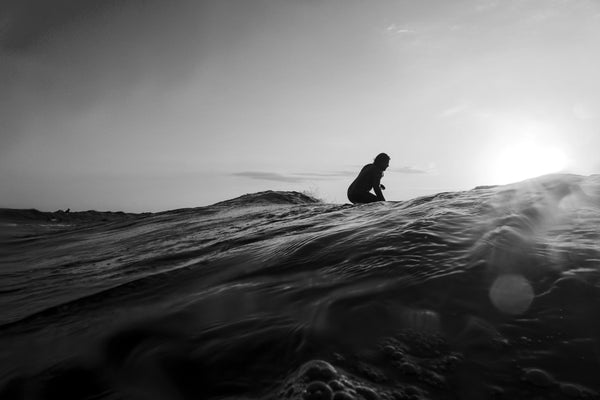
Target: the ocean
(490, 293)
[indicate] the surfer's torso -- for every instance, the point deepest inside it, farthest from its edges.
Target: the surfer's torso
(369, 178)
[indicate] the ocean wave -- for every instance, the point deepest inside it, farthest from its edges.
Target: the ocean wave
(498, 285)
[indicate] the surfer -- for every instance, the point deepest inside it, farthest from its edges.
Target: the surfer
(369, 178)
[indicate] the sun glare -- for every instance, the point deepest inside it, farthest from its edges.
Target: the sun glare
(527, 159)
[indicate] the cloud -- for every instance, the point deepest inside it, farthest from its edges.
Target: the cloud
(407, 170)
(293, 177)
(395, 29)
(454, 110)
(312, 176)
(584, 111)
(269, 176)
(486, 5)
(325, 175)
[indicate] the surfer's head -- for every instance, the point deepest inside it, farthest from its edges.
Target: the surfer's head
(382, 161)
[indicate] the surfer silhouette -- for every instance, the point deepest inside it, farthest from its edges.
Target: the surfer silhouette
(369, 178)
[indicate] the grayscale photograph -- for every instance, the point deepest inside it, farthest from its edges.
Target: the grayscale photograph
(299, 199)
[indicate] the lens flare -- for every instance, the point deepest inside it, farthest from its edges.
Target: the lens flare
(511, 294)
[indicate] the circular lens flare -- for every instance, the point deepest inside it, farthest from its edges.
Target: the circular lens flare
(511, 294)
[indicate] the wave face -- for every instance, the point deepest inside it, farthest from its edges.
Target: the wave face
(493, 292)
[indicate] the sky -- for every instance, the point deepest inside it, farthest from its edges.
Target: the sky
(153, 105)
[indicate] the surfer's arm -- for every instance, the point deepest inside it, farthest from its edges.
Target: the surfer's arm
(377, 188)
(379, 193)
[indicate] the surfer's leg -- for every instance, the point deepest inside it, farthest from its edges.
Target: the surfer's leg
(362, 198)
(370, 198)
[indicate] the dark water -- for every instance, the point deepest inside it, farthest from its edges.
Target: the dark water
(488, 293)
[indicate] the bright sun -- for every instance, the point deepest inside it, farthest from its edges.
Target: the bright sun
(527, 159)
